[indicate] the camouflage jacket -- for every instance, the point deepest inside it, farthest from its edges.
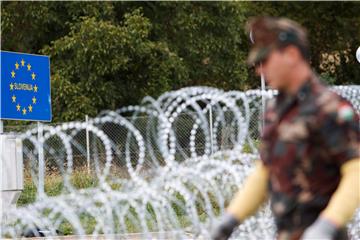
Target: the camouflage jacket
(306, 139)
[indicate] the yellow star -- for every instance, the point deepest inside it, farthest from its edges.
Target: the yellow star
(13, 98)
(13, 74)
(29, 67)
(18, 107)
(22, 62)
(24, 111)
(11, 86)
(30, 108)
(33, 75)
(35, 88)
(16, 65)
(34, 100)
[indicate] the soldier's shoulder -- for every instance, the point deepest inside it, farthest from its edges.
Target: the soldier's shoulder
(329, 101)
(333, 105)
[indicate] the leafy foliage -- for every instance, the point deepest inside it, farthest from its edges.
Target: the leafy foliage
(109, 54)
(333, 30)
(100, 64)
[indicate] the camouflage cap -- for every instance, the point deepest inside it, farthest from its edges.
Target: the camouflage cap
(269, 33)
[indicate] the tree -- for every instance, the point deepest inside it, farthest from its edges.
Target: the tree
(101, 65)
(208, 36)
(29, 26)
(110, 54)
(333, 29)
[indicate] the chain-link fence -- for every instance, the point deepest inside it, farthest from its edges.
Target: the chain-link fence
(89, 146)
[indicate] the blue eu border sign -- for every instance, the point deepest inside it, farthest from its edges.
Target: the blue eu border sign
(25, 87)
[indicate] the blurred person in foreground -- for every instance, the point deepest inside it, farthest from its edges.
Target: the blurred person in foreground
(310, 145)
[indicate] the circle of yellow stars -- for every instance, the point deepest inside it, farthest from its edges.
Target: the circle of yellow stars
(19, 107)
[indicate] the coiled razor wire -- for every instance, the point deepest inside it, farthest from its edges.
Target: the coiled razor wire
(170, 187)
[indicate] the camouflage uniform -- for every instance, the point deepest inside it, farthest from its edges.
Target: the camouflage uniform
(306, 139)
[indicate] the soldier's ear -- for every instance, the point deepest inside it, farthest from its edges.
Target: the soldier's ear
(292, 54)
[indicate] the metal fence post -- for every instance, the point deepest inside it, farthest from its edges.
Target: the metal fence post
(263, 100)
(41, 185)
(211, 131)
(87, 143)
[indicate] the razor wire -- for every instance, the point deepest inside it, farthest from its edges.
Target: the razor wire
(162, 166)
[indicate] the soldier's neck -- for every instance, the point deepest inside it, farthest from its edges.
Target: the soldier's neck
(300, 74)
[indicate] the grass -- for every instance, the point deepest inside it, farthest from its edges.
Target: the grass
(54, 185)
(81, 179)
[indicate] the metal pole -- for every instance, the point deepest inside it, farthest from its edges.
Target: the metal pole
(1, 176)
(263, 99)
(87, 143)
(211, 131)
(41, 185)
(1, 127)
